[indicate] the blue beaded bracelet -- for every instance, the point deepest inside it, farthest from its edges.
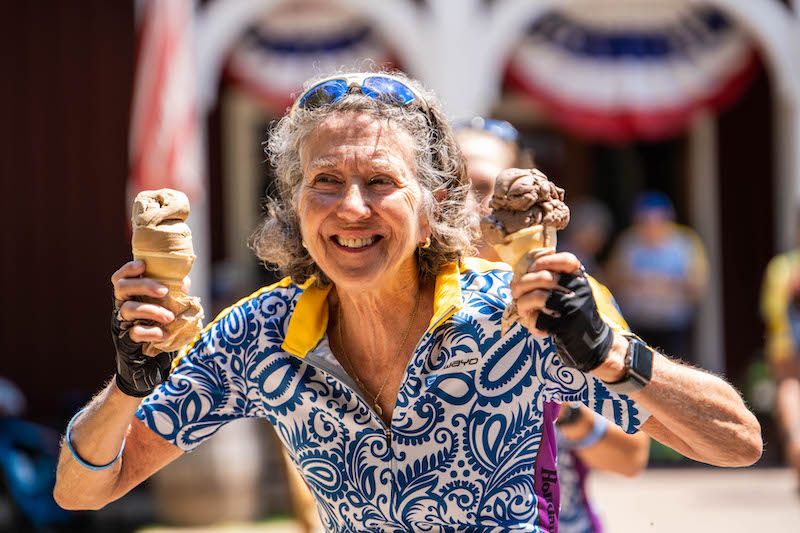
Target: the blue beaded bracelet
(80, 459)
(599, 430)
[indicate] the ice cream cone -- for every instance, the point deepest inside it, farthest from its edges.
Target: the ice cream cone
(527, 210)
(520, 249)
(519, 245)
(163, 241)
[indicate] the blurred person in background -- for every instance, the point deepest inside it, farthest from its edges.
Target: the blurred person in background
(585, 440)
(488, 146)
(587, 233)
(780, 309)
(379, 359)
(659, 272)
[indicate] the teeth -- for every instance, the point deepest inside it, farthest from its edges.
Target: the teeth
(355, 243)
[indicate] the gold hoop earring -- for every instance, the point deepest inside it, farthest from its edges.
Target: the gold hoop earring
(427, 244)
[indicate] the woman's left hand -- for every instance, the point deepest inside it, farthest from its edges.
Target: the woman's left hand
(555, 298)
(532, 290)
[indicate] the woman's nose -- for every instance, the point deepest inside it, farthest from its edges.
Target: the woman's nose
(354, 204)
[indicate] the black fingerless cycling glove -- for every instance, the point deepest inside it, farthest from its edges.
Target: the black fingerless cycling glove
(137, 374)
(582, 338)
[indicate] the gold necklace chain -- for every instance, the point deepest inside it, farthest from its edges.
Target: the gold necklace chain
(360, 383)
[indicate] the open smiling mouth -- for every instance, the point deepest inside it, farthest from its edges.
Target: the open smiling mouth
(357, 243)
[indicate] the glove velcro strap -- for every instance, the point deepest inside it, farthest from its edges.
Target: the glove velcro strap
(571, 316)
(137, 374)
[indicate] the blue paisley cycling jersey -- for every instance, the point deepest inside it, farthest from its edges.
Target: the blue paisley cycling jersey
(471, 445)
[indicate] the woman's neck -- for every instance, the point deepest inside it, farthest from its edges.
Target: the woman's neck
(372, 323)
(373, 334)
(376, 318)
(382, 302)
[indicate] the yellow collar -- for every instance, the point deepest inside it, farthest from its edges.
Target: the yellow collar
(309, 321)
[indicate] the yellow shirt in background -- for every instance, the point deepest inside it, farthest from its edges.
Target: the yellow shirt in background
(776, 293)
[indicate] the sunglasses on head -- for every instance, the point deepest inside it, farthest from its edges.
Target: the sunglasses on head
(383, 87)
(499, 128)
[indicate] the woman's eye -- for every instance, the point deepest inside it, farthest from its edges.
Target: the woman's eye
(381, 180)
(326, 179)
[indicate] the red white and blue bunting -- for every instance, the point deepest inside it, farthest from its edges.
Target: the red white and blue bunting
(619, 70)
(299, 41)
(632, 70)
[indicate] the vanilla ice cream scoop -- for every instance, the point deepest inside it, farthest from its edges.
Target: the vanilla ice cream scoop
(163, 240)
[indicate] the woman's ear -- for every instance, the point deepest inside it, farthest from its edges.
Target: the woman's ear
(424, 223)
(424, 232)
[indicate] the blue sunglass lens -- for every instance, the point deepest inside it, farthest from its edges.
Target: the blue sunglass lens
(387, 89)
(502, 129)
(323, 93)
(499, 128)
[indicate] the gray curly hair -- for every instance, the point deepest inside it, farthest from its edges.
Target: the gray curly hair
(440, 170)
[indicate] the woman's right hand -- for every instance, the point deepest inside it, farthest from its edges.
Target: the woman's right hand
(137, 373)
(128, 284)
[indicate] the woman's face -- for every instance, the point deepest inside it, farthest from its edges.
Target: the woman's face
(359, 203)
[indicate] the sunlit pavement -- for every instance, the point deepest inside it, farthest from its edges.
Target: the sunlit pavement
(276, 526)
(663, 500)
(699, 500)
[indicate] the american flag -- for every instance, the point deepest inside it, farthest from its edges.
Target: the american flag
(165, 135)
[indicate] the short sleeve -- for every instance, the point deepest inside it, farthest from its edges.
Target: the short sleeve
(205, 390)
(607, 305)
(566, 384)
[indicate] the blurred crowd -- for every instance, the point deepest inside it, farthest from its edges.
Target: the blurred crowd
(657, 269)
(27, 468)
(780, 308)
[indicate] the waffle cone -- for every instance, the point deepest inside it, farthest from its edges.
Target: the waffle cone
(520, 250)
(518, 247)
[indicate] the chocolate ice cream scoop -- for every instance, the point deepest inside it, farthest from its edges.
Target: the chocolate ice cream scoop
(527, 210)
(523, 198)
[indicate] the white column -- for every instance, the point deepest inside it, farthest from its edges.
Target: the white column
(704, 212)
(458, 51)
(219, 24)
(776, 30)
(243, 186)
(200, 214)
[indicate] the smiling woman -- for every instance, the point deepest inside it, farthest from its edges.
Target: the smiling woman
(380, 358)
(429, 156)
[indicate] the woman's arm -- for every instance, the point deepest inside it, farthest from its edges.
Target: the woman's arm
(98, 432)
(616, 451)
(96, 436)
(694, 412)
